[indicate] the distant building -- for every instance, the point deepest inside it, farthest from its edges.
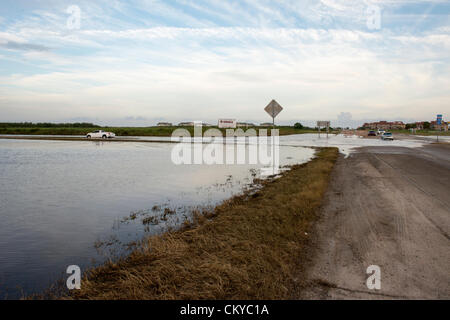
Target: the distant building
(244, 124)
(164, 124)
(192, 123)
(385, 125)
(419, 125)
(266, 124)
(398, 125)
(439, 127)
(186, 124)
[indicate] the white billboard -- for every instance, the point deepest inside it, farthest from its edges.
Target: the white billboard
(323, 124)
(227, 123)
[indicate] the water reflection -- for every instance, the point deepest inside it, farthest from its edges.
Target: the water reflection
(59, 200)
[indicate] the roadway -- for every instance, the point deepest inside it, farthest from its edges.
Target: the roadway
(386, 206)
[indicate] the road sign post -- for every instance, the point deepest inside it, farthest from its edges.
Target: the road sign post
(273, 109)
(439, 123)
(325, 124)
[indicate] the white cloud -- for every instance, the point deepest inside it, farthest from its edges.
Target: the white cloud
(208, 72)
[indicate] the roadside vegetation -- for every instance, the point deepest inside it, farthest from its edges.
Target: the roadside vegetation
(47, 125)
(27, 128)
(250, 247)
(424, 132)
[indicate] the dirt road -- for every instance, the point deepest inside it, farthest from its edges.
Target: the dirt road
(390, 207)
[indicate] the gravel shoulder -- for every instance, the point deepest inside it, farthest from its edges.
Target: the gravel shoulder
(386, 206)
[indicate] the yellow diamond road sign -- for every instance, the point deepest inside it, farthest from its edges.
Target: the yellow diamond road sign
(273, 108)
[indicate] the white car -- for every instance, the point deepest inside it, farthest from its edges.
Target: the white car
(380, 132)
(387, 136)
(100, 134)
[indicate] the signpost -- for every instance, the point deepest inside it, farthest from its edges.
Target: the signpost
(439, 123)
(325, 124)
(273, 109)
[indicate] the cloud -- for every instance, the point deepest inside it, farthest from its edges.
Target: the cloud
(222, 62)
(13, 45)
(138, 118)
(345, 116)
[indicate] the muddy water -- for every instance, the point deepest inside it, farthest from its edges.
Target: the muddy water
(60, 200)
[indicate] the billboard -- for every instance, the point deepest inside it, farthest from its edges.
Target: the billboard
(323, 124)
(227, 123)
(439, 119)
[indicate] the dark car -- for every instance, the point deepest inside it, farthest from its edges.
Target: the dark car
(372, 133)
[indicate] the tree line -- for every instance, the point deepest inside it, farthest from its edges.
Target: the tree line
(47, 125)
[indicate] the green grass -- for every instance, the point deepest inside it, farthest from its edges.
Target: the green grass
(127, 131)
(431, 133)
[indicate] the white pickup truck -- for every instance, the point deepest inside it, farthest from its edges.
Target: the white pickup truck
(100, 134)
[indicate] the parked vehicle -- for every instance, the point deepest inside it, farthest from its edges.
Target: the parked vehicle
(387, 136)
(372, 133)
(380, 132)
(100, 134)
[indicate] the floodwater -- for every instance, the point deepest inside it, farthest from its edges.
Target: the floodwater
(436, 138)
(347, 144)
(61, 201)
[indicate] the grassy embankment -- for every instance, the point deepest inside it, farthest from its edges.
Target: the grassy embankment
(425, 132)
(125, 131)
(250, 247)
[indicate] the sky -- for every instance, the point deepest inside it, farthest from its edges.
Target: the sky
(139, 62)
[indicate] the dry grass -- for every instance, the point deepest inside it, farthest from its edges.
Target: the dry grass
(248, 248)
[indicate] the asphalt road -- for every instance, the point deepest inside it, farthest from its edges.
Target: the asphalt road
(390, 207)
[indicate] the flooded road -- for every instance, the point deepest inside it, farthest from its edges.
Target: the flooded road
(61, 201)
(58, 199)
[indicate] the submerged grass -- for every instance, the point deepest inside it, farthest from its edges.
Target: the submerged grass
(249, 247)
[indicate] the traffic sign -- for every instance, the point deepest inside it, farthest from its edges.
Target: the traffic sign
(273, 109)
